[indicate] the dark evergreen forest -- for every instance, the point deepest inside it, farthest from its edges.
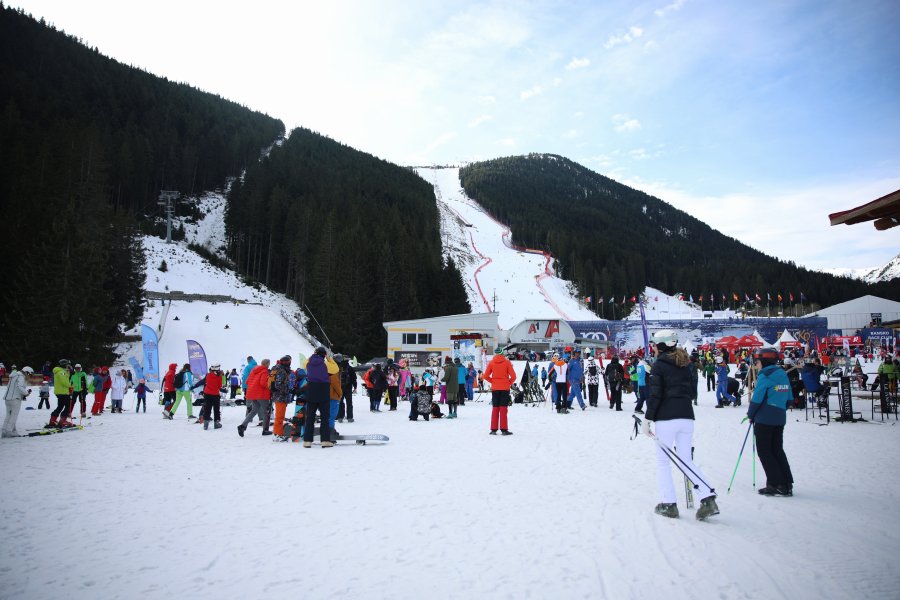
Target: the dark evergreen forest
(86, 144)
(354, 238)
(612, 240)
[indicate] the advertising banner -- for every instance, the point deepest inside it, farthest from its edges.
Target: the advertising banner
(419, 360)
(150, 345)
(197, 359)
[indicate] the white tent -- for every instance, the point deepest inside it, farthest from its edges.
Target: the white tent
(759, 336)
(786, 339)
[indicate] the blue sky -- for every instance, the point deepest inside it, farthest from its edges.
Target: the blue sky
(759, 118)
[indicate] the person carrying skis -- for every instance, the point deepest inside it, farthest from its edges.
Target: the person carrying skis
(767, 412)
(16, 392)
(500, 374)
(670, 408)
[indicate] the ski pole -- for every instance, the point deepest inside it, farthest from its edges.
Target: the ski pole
(739, 457)
(682, 466)
(754, 460)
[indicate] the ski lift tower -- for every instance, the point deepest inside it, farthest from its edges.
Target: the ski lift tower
(167, 198)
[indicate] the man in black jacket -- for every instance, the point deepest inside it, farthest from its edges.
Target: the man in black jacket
(615, 378)
(670, 406)
(348, 386)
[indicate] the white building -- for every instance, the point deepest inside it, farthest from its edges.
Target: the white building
(853, 315)
(425, 342)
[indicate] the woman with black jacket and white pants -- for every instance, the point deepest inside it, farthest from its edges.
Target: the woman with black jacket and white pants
(670, 407)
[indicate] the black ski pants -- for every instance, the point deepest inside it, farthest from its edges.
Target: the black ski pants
(593, 394)
(324, 408)
(710, 382)
(137, 406)
(346, 408)
(62, 407)
(211, 404)
(615, 396)
(561, 400)
(770, 447)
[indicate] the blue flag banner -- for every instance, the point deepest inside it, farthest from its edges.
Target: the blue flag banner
(197, 359)
(136, 367)
(644, 329)
(150, 345)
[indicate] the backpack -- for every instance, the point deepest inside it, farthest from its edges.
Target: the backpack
(179, 379)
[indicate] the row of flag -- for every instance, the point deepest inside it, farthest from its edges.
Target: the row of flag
(711, 298)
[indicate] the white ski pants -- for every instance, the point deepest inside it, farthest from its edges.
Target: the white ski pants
(678, 435)
(12, 414)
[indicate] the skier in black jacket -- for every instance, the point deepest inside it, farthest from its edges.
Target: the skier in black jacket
(615, 378)
(670, 406)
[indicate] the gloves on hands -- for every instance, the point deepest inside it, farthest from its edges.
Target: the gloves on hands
(645, 428)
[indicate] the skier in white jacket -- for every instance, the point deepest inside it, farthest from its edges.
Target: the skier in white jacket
(16, 392)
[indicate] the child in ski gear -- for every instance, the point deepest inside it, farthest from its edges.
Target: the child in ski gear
(281, 394)
(500, 374)
(670, 408)
(79, 389)
(234, 382)
(722, 395)
(767, 412)
(44, 394)
(16, 392)
(141, 391)
(420, 404)
(212, 384)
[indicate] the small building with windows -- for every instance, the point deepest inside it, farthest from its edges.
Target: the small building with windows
(425, 342)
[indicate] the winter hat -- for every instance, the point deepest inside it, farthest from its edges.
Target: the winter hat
(142, 380)
(28, 370)
(338, 358)
(498, 350)
(447, 360)
(286, 358)
(321, 351)
(215, 367)
(718, 360)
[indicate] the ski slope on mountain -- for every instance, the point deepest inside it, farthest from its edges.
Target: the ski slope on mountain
(517, 284)
(260, 323)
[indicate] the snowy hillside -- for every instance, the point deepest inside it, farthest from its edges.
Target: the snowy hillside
(522, 282)
(885, 273)
(661, 306)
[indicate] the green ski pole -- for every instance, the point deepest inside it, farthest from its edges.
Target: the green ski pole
(744, 445)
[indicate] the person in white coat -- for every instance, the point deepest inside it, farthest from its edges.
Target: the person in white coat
(16, 392)
(119, 384)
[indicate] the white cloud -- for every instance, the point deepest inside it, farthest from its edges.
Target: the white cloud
(441, 140)
(661, 12)
(633, 33)
(624, 123)
(531, 93)
(578, 63)
(479, 120)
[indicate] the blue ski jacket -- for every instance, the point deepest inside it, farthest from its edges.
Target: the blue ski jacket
(768, 405)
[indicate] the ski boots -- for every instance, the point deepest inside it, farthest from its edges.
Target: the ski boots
(493, 432)
(708, 508)
(327, 444)
(505, 432)
(349, 420)
(205, 425)
(777, 490)
(241, 429)
(307, 444)
(217, 425)
(667, 510)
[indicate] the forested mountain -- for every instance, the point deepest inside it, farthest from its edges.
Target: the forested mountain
(354, 238)
(612, 240)
(86, 144)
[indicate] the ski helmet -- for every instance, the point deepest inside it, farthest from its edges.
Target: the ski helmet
(338, 358)
(28, 370)
(767, 355)
(668, 337)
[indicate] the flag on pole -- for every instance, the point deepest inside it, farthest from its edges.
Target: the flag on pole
(623, 298)
(746, 297)
(791, 295)
(735, 296)
(758, 299)
(691, 298)
(600, 301)
(701, 298)
(802, 297)
(633, 299)
(611, 299)
(780, 298)
(587, 300)
(768, 297)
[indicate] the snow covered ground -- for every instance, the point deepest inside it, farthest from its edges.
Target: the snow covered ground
(480, 247)
(137, 506)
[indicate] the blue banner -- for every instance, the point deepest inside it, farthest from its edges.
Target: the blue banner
(644, 329)
(197, 359)
(150, 345)
(136, 367)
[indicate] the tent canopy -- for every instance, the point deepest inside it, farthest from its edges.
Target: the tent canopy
(749, 341)
(726, 342)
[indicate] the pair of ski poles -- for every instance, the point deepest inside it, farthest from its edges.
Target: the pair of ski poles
(744, 445)
(690, 476)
